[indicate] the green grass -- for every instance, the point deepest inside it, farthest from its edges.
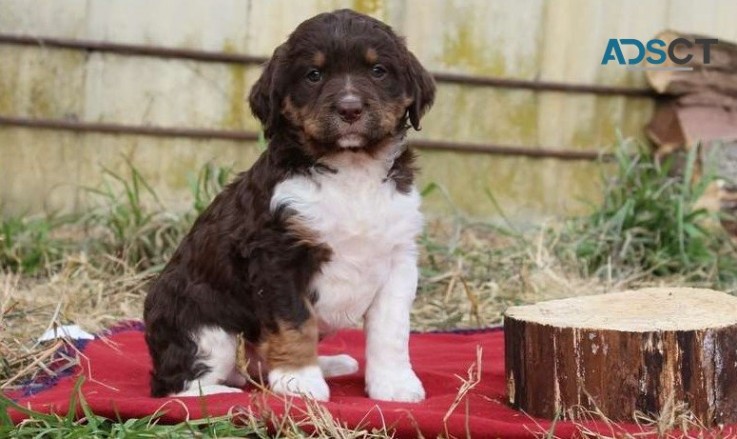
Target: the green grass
(649, 221)
(27, 245)
(208, 182)
(80, 421)
(136, 229)
(647, 226)
(90, 425)
(127, 227)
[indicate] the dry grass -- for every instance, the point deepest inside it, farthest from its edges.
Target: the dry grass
(305, 415)
(79, 293)
(471, 272)
(674, 422)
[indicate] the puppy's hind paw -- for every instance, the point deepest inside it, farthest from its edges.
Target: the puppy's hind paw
(210, 389)
(306, 381)
(337, 365)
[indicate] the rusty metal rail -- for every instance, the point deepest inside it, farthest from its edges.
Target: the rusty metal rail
(200, 133)
(562, 87)
(234, 58)
(115, 128)
(131, 49)
(509, 150)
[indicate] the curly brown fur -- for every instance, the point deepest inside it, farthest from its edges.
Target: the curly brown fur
(245, 266)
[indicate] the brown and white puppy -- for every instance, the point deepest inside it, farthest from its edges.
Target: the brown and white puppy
(318, 235)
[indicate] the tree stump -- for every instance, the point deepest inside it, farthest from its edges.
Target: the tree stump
(621, 353)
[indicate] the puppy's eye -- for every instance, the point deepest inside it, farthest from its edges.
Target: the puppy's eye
(378, 71)
(314, 75)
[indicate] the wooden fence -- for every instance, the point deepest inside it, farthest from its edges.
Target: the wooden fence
(524, 106)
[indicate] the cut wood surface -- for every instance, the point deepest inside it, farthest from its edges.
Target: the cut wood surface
(621, 353)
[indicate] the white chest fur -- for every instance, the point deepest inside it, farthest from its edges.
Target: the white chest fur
(366, 222)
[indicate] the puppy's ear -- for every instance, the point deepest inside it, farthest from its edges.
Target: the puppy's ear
(423, 90)
(264, 99)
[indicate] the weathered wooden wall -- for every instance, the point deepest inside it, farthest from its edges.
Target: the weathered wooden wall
(529, 39)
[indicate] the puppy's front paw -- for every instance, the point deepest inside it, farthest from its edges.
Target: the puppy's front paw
(305, 381)
(395, 385)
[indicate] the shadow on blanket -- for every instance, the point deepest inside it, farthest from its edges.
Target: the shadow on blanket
(116, 368)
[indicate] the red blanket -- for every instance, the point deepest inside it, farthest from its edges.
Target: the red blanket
(116, 386)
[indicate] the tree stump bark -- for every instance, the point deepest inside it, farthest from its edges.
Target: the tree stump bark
(621, 353)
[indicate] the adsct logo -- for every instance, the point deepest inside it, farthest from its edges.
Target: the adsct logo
(658, 51)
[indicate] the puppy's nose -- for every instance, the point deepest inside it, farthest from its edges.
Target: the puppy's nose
(350, 108)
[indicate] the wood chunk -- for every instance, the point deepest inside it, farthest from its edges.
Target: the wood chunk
(719, 76)
(701, 108)
(674, 126)
(625, 352)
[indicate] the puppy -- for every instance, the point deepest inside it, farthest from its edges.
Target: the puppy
(318, 235)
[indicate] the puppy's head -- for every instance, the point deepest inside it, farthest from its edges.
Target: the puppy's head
(342, 80)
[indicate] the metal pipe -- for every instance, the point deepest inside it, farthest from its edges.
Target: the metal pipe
(201, 133)
(131, 49)
(233, 58)
(508, 150)
(488, 81)
(114, 128)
